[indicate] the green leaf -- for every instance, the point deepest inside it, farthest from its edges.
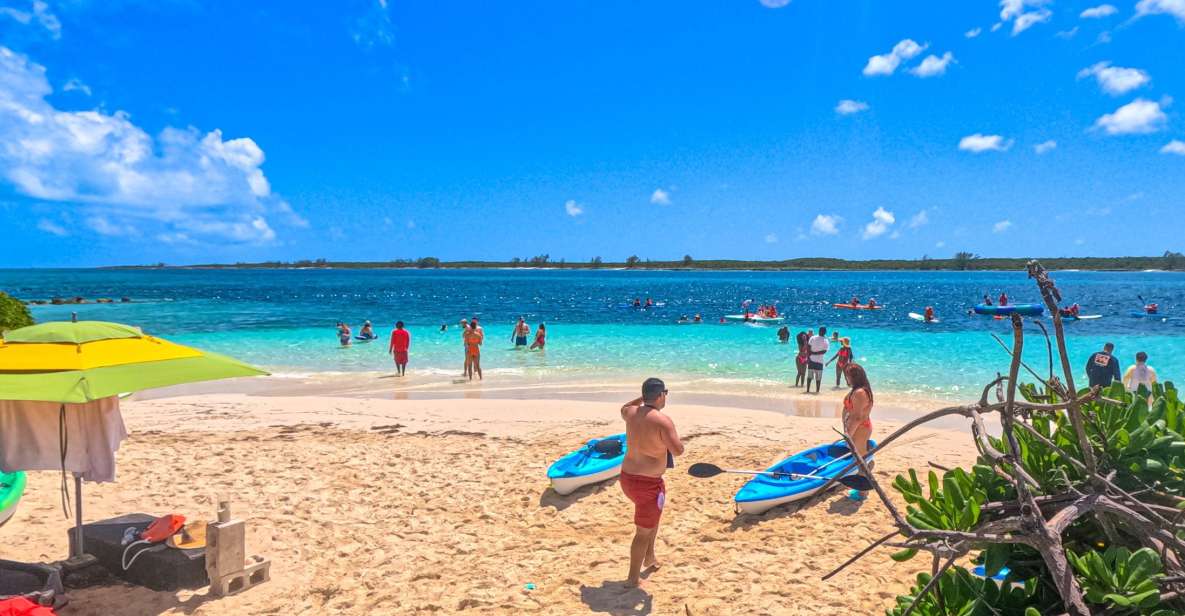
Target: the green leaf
(903, 555)
(994, 558)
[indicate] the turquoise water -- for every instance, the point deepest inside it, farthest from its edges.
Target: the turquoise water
(284, 320)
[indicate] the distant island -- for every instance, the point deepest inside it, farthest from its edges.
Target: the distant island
(963, 261)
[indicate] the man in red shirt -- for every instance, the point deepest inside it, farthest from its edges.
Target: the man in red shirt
(400, 343)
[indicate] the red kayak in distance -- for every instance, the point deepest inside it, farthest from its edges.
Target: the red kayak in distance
(858, 306)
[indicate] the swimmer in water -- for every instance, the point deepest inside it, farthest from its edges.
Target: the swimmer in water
(367, 331)
(343, 333)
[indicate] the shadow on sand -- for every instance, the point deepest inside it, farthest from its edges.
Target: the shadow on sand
(551, 498)
(613, 597)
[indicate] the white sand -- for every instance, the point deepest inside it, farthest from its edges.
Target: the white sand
(370, 506)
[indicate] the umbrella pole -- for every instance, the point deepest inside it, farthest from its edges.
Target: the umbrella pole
(78, 551)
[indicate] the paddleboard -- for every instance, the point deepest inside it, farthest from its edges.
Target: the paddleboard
(753, 318)
(587, 465)
(1145, 315)
(12, 487)
(1027, 310)
(918, 317)
(364, 339)
(1082, 317)
(764, 492)
(857, 307)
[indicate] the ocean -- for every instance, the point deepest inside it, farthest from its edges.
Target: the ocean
(284, 321)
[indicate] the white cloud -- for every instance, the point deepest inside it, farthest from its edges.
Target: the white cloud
(1098, 12)
(38, 12)
(886, 64)
(848, 106)
(940, 244)
(1176, 146)
(108, 166)
(1045, 146)
(920, 219)
(1067, 34)
(1001, 226)
(1140, 116)
(52, 227)
(103, 226)
(984, 143)
(1027, 20)
(771, 238)
(997, 26)
(660, 197)
(933, 65)
(882, 219)
(774, 4)
(826, 224)
(1115, 80)
(973, 32)
(1014, 10)
(76, 85)
(1176, 8)
(573, 208)
(373, 28)
(1103, 38)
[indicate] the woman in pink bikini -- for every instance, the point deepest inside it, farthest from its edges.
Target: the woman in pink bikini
(857, 412)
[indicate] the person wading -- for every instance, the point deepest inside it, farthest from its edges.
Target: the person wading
(651, 444)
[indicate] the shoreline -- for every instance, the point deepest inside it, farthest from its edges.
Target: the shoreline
(781, 399)
(383, 506)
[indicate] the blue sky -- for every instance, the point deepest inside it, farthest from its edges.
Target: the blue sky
(182, 132)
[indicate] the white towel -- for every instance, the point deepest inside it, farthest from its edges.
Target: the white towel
(29, 437)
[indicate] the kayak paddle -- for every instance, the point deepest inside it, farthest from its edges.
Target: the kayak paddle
(704, 470)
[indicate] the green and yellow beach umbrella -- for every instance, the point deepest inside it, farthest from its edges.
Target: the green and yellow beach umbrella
(83, 361)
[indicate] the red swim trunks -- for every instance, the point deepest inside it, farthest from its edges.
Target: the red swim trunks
(649, 494)
(401, 357)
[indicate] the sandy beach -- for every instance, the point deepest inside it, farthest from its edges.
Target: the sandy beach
(379, 506)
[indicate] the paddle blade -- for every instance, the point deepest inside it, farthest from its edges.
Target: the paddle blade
(704, 470)
(856, 482)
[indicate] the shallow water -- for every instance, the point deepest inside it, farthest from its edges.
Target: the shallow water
(284, 320)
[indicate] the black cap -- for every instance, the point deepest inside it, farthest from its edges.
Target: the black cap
(652, 388)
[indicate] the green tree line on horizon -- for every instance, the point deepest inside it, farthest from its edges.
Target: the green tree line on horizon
(961, 261)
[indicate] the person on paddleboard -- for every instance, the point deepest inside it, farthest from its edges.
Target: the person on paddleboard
(1152, 308)
(929, 314)
(1003, 298)
(871, 303)
(855, 301)
(1102, 367)
(987, 301)
(367, 331)
(857, 413)
(651, 444)
(400, 343)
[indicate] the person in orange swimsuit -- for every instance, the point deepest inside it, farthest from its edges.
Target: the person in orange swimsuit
(473, 339)
(857, 412)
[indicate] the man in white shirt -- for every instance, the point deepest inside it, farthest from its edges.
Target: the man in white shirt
(814, 362)
(1140, 374)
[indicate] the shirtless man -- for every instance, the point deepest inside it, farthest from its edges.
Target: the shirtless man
(651, 444)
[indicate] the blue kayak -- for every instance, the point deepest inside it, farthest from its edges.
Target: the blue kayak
(764, 492)
(1025, 310)
(1148, 315)
(588, 465)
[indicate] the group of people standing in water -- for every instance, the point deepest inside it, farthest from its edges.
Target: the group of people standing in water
(811, 357)
(472, 338)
